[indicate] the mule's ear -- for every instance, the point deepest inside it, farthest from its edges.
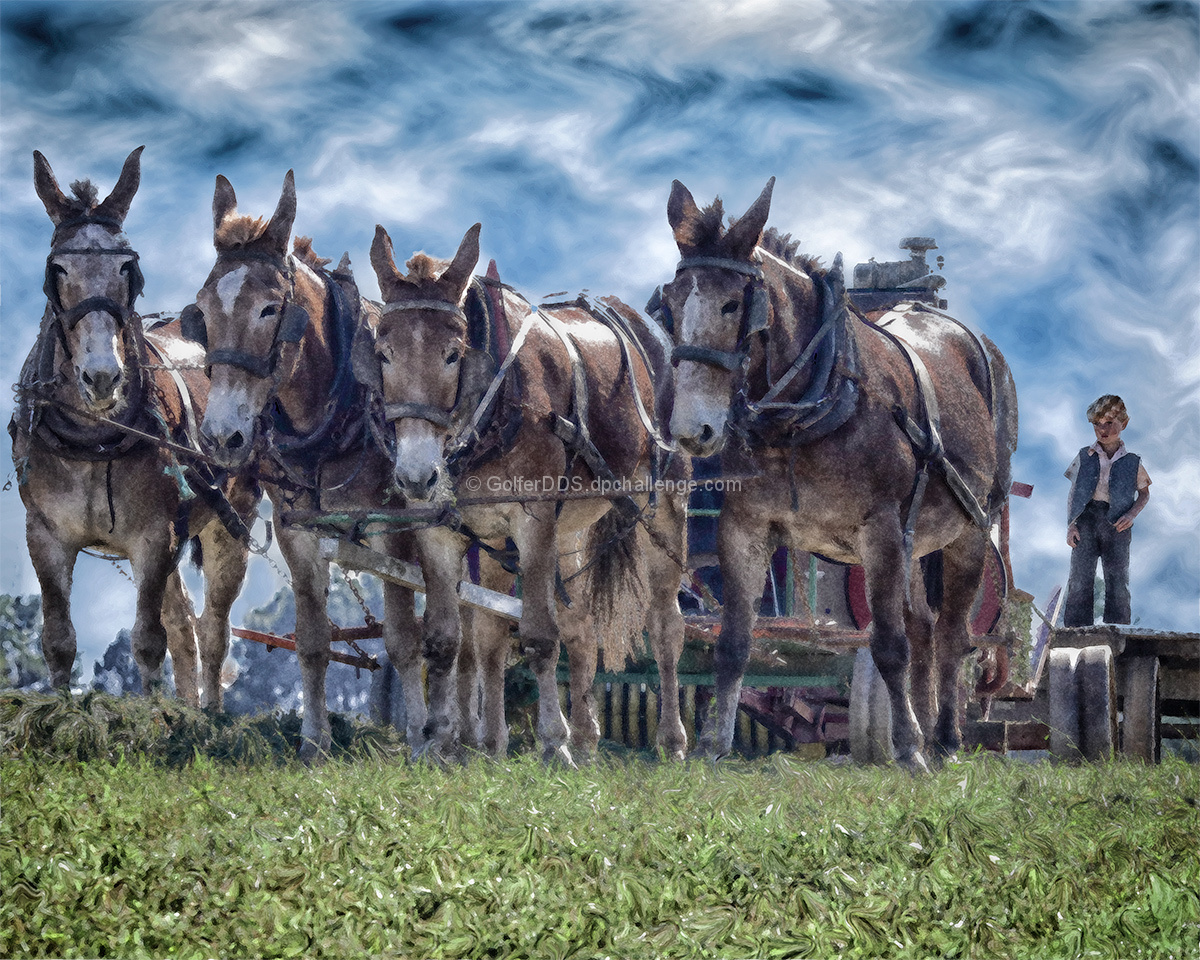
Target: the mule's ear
(116, 204)
(383, 259)
(682, 213)
(744, 235)
(279, 230)
(224, 201)
(57, 206)
(458, 274)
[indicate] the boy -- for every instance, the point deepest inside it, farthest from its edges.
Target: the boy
(1109, 487)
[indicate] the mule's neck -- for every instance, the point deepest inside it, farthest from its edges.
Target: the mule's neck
(309, 366)
(796, 313)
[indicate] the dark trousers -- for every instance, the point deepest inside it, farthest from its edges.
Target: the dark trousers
(1098, 540)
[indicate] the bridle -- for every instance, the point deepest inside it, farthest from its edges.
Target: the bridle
(833, 389)
(67, 318)
(290, 324)
(755, 300)
(410, 410)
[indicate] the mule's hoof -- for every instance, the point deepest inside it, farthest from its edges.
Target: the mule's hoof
(706, 753)
(559, 757)
(312, 753)
(439, 754)
(913, 763)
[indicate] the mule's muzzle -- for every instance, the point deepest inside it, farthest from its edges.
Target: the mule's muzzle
(230, 449)
(420, 485)
(704, 442)
(101, 384)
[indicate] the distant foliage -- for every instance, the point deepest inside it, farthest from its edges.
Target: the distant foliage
(269, 679)
(116, 672)
(21, 662)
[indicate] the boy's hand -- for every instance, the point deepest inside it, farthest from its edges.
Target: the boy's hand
(1073, 535)
(1125, 522)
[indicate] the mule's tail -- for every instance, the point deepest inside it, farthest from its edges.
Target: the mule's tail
(615, 586)
(1004, 423)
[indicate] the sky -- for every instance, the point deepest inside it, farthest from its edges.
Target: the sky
(1051, 149)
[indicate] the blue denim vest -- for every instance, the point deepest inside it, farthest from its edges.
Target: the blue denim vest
(1122, 484)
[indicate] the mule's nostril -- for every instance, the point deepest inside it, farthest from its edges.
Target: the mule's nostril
(432, 481)
(706, 434)
(235, 442)
(87, 378)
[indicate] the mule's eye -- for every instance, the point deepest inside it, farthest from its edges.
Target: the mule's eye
(453, 356)
(268, 311)
(731, 307)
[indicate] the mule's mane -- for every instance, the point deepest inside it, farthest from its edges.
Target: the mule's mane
(421, 266)
(707, 227)
(787, 249)
(238, 230)
(86, 193)
(302, 247)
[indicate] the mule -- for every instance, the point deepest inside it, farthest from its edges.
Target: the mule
(569, 407)
(100, 402)
(834, 421)
(288, 407)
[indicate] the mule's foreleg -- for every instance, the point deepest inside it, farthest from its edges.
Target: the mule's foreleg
(962, 572)
(402, 640)
(441, 564)
(310, 588)
(918, 625)
(579, 637)
(665, 546)
(179, 620)
(881, 547)
(54, 564)
(537, 547)
(152, 566)
(225, 559)
(743, 549)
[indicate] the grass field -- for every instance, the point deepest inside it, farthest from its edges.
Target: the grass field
(139, 829)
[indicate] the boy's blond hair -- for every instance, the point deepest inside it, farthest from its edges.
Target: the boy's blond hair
(1108, 407)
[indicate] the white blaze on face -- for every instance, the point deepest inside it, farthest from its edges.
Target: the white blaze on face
(697, 404)
(229, 286)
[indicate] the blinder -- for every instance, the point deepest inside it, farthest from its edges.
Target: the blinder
(292, 324)
(191, 325)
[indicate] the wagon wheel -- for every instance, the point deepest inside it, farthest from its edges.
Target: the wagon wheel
(1064, 705)
(1097, 701)
(870, 712)
(1141, 732)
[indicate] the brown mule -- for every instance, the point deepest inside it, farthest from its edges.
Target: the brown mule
(95, 393)
(541, 435)
(835, 420)
(287, 407)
